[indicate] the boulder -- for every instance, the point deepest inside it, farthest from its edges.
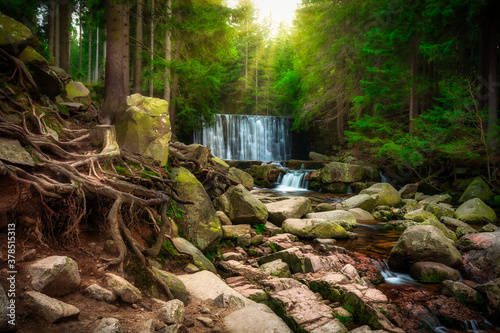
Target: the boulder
(263, 172)
(241, 206)
(363, 201)
(491, 295)
(423, 243)
(233, 231)
(465, 294)
(293, 208)
(144, 128)
(124, 289)
(48, 81)
(452, 222)
(172, 312)
(437, 198)
(314, 228)
(224, 220)
(419, 215)
(175, 285)
(447, 232)
(361, 214)
(317, 157)
(464, 230)
(241, 177)
(482, 255)
(184, 246)
(55, 275)
(476, 189)
(229, 301)
(276, 268)
(408, 191)
(50, 309)
(205, 285)
(12, 151)
(31, 57)
(109, 325)
(261, 317)
(337, 172)
(323, 207)
(475, 211)
(384, 195)
(441, 209)
(345, 219)
(14, 36)
(78, 93)
(99, 293)
(428, 271)
(199, 222)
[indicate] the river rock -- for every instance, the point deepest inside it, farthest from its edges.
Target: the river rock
(78, 93)
(491, 295)
(465, 294)
(109, 325)
(241, 177)
(337, 172)
(361, 214)
(172, 312)
(261, 317)
(14, 36)
(233, 231)
(293, 208)
(176, 286)
(423, 243)
(224, 220)
(363, 201)
(229, 301)
(447, 232)
(263, 172)
(314, 228)
(345, 219)
(419, 215)
(475, 211)
(12, 151)
(276, 268)
(408, 191)
(440, 210)
(50, 309)
(482, 255)
(464, 230)
(323, 207)
(435, 199)
(55, 275)
(200, 222)
(452, 222)
(184, 246)
(428, 271)
(384, 195)
(145, 127)
(205, 285)
(127, 292)
(241, 206)
(476, 189)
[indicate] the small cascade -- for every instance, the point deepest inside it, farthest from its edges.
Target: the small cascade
(293, 180)
(246, 138)
(384, 178)
(395, 277)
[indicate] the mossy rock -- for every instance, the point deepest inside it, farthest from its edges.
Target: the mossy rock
(314, 228)
(78, 93)
(477, 189)
(241, 177)
(241, 206)
(14, 36)
(432, 272)
(384, 195)
(176, 286)
(336, 172)
(419, 215)
(444, 230)
(475, 211)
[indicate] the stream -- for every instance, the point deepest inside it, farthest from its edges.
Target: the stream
(373, 241)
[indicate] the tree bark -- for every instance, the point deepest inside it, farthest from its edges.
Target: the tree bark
(96, 71)
(152, 45)
(80, 29)
(340, 128)
(138, 49)
(175, 90)
(114, 88)
(51, 30)
(493, 77)
(65, 33)
(126, 49)
(89, 64)
(168, 53)
(413, 81)
(57, 29)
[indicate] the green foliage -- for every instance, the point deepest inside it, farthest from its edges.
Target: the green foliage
(273, 246)
(122, 171)
(259, 228)
(174, 211)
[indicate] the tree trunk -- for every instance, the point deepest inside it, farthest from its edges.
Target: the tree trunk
(96, 72)
(340, 128)
(493, 77)
(413, 81)
(138, 49)
(175, 88)
(89, 64)
(152, 45)
(126, 49)
(57, 24)
(65, 33)
(80, 38)
(51, 30)
(114, 88)
(168, 53)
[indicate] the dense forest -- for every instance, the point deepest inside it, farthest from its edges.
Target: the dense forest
(412, 82)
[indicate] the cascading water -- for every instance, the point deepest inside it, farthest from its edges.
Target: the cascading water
(246, 138)
(294, 180)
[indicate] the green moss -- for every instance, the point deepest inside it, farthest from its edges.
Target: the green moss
(122, 171)
(259, 228)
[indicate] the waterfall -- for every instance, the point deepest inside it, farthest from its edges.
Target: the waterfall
(293, 180)
(247, 138)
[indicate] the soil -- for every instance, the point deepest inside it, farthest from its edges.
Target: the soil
(87, 255)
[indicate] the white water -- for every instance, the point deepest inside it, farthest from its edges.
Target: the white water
(293, 180)
(246, 138)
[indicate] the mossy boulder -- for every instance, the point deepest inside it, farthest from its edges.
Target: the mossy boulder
(317, 157)
(184, 246)
(419, 215)
(440, 210)
(475, 211)
(423, 243)
(262, 172)
(199, 222)
(78, 93)
(241, 206)
(241, 177)
(363, 201)
(314, 228)
(336, 172)
(384, 195)
(176, 286)
(346, 219)
(281, 210)
(465, 294)
(31, 57)
(14, 36)
(145, 128)
(437, 198)
(447, 232)
(432, 272)
(12, 151)
(477, 189)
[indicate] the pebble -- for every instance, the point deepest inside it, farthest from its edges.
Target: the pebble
(206, 321)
